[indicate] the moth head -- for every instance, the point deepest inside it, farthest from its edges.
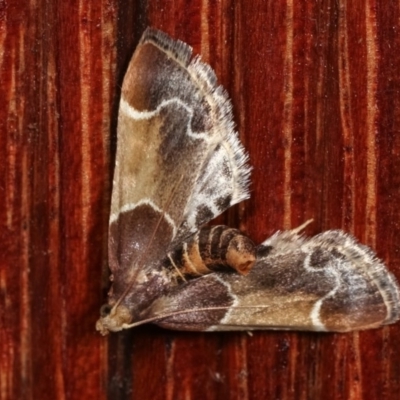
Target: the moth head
(113, 319)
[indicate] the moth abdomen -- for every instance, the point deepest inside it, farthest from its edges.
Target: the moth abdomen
(214, 248)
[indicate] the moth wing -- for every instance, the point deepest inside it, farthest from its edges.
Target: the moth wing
(179, 161)
(326, 283)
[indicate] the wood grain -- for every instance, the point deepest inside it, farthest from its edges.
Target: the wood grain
(316, 94)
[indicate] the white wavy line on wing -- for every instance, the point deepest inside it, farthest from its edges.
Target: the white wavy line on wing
(316, 310)
(132, 206)
(131, 112)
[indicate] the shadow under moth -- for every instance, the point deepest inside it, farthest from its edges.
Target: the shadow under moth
(179, 164)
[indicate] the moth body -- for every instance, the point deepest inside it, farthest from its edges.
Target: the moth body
(214, 248)
(179, 164)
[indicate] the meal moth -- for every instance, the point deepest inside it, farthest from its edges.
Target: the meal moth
(179, 164)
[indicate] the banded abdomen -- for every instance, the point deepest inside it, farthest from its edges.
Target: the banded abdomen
(214, 248)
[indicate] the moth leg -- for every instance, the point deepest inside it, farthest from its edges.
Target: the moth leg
(177, 270)
(303, 226)
(214, 248)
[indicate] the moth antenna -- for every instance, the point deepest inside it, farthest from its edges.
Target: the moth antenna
(145, 252)
(190, 310)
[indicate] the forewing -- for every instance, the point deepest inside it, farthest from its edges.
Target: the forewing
(179, 162)
(326, 283)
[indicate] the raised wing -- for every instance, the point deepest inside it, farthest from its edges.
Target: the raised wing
(178, 156)
(179, 162)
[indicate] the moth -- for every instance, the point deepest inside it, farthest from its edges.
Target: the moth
(179, 164)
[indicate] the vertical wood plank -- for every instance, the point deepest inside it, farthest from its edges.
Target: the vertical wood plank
(57, 82)
(315, 89)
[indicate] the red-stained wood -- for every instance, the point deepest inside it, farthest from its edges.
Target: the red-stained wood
(57, 86)
(316, 94)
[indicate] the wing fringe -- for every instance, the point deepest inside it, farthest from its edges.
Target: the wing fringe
(219, 102)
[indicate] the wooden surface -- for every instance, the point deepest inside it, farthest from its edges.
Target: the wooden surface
(316, 93)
